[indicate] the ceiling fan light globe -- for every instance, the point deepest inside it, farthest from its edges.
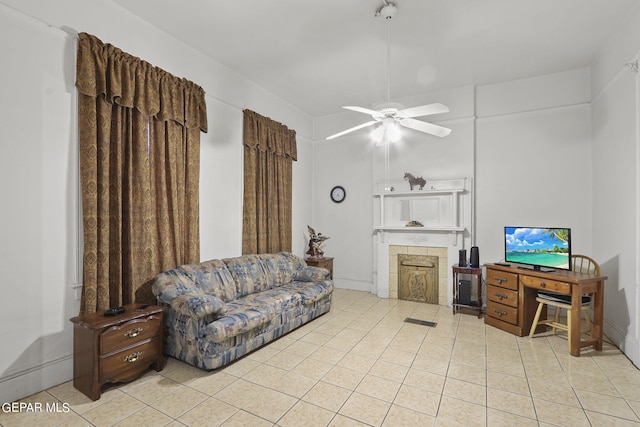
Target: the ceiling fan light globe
(393, 133)
(378, 134)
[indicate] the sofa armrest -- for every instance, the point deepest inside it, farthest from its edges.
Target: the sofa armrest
(171, 284)
(312, 274)
(198, 305)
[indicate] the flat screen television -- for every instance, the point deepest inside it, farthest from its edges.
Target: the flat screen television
(542, 248)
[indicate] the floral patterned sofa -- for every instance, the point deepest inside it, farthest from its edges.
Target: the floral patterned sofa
(220, 310)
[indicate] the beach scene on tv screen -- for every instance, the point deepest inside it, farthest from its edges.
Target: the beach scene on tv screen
(538, 246)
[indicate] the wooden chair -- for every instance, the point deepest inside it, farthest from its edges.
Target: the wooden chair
(581, 264)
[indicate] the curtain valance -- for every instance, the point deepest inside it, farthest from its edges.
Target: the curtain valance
(265, 134)
(123, 79)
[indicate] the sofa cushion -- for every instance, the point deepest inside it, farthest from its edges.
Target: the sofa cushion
(199, 305)
(310, 292)
(280, 268)
(241, 316)
(278, 298)
(213, 278)
(248, 274)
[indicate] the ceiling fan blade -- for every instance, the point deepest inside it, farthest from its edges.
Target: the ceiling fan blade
(363, 110)
(425, 110)
(425, 127)
(364, 125)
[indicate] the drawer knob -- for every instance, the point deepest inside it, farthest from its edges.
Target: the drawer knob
(134, 332)
(501, 296)
(543, 285)
(500, 312)
(133, 357)
(500, 279)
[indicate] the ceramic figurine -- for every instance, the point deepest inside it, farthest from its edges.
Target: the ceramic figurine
(419, 181)
(316, 240)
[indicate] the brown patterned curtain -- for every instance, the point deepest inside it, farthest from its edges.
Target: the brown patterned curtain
(139, 136)
(269, 152)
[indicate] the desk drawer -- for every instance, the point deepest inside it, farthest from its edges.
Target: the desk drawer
(546, 285)
(502, 312)
(502, 279)
(503, 296)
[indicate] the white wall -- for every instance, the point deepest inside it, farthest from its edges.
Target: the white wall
(616, 190)
(345, 162)
(39, 221)
(533, 162)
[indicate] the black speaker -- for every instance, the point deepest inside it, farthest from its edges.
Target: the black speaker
(464, 292)
(462, 258)
(474, 259)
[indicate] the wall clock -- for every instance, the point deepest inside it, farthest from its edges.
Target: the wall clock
(338, 194)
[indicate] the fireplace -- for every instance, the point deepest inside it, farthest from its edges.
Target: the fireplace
(435, 221)
(418, 278)
(427, 268)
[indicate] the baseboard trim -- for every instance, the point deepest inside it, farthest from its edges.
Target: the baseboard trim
(629, 345)
(351, 284)
(36, 379)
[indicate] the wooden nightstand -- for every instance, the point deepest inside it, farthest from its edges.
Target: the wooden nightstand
(116, 348)
(322, 263)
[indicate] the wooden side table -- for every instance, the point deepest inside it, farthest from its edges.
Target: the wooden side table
(473, 272)
(322, 263)
(116, 348)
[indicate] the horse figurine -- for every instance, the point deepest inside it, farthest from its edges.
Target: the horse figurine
(419, 181)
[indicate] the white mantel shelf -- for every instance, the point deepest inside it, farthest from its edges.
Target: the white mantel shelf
(417, 193)
(437, 190)
(382, 230)
(419, 229)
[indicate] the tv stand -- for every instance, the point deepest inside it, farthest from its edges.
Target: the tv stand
(511, 300)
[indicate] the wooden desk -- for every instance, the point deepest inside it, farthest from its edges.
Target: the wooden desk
(562, 282)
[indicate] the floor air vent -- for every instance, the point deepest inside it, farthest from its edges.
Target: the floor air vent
(420, 322)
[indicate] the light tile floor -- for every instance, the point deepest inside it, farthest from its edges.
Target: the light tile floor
(360, 365)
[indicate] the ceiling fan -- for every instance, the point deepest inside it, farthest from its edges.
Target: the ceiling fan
(390, 115)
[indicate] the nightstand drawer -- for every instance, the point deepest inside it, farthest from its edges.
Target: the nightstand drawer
(130, 360)
(502, 279)
(129, 333)
(502, 295)
(546, 285)
(502, 312)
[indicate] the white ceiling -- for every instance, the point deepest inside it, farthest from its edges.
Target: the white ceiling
(322, 54)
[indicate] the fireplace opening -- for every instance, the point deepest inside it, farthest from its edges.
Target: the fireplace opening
(418, 278)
